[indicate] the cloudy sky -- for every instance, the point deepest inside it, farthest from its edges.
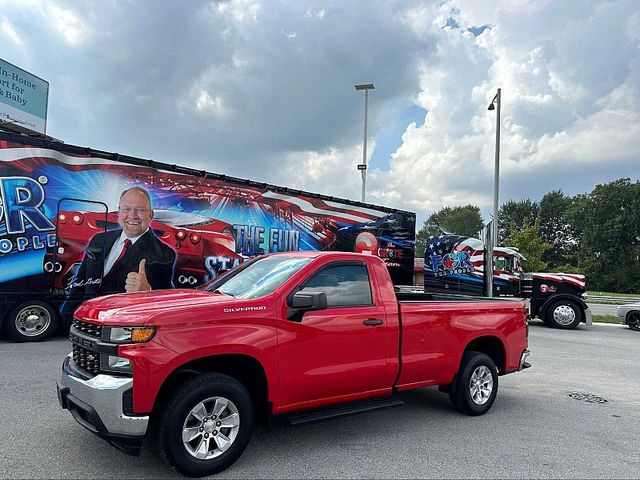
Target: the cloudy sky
(265, 90)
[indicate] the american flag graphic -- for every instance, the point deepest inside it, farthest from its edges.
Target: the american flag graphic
(443, 244)
(322, 222)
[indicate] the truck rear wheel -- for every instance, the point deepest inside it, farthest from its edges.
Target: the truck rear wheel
(31, 321)
(564, 314)
(476, 384)
(206, 425)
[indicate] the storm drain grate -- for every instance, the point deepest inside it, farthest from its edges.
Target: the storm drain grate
(587, 397)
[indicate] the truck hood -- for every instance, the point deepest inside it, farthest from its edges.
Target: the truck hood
(138, 308)
(570, 278)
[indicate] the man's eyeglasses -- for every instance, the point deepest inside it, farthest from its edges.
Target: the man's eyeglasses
(139, 211)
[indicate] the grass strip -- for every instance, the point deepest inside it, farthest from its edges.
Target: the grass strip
(606, 319)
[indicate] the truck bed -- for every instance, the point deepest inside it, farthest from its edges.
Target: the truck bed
(436, 328)
(409, 294)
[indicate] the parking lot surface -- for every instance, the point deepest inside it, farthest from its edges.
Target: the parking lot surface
(574, 414)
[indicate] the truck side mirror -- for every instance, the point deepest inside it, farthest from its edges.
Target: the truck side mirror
(301, 302)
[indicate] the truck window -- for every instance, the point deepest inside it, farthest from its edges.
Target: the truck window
(344, 285)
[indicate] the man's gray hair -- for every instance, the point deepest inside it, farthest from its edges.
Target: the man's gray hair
(137, 189)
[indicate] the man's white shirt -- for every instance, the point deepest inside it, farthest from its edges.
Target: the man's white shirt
(117, 249)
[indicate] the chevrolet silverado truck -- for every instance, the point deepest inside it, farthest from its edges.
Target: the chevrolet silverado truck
(292, 333)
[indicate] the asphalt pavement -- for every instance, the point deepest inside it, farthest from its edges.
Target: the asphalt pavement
(574, 414)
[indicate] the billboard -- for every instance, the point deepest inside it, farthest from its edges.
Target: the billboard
(23, 98)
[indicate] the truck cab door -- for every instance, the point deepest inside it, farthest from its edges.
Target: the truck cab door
(340, 352)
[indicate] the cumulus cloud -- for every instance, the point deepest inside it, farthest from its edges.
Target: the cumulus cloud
(10, 32)
(569, 102)
(264, 90)
(68, 24)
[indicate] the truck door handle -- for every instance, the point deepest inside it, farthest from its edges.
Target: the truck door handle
(372, 322)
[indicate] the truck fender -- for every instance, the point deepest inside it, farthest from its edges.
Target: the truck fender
(209, 361)
(566, 296)
(489, 343)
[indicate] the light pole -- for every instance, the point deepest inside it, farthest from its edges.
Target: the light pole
(363, 166)
(494, 105)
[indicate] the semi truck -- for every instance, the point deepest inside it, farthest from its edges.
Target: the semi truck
(55, 198)
(456, 264)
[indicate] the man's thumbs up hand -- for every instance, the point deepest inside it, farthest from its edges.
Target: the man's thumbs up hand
(137, 281)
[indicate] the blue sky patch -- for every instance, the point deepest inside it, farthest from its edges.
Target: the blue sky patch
(390, 138)
(478, 30)
(451, 22)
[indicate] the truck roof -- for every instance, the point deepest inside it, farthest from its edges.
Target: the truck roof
(43, 141)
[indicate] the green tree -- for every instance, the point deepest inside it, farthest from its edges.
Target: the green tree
(529, 243)
(557, 230)
(422, 240)
(607, 222)
(461, 220)
(513, 214)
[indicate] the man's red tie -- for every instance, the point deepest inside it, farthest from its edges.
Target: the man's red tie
(127, 244)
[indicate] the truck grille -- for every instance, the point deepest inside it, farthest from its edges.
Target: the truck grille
(89, 329)
(86, 359)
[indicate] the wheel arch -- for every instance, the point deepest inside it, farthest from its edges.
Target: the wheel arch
(563, 296)
(244, 368)
(631, 312)
(630, 315)
(491, 346)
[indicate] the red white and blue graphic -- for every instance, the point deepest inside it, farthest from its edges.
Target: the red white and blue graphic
(54, 198)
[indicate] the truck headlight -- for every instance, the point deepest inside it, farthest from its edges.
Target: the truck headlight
(129, 334)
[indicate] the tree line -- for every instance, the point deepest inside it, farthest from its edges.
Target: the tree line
(596, 234)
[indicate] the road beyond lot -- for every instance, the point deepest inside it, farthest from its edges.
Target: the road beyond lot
(550, 421)
(602, 308)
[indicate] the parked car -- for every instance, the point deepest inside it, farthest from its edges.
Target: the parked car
(630, 315)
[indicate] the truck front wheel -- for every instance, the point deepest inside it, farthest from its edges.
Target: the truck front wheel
(206, 425)
(31, 321)
(476, 384)
(564, 314)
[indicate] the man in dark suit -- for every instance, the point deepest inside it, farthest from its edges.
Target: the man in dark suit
(129, 260)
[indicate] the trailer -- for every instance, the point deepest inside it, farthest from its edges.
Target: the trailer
(55, 198)
(457, 264)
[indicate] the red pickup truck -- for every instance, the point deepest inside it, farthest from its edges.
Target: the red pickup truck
(279, 334)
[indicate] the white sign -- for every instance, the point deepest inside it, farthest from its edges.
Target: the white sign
(23, 98)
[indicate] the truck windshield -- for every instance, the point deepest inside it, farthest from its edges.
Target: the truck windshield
(258, 277)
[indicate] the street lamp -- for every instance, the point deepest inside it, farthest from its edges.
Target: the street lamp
(494, 105)
(363, 166)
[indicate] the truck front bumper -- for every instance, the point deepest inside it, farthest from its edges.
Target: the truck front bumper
(588, 316)
(96, 403)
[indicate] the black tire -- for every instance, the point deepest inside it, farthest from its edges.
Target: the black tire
(476, 384)
(208, 391)
(633, 320)
(564, 314)
(32, 321)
